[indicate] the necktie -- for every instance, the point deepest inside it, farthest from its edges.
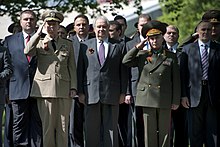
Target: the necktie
(53, 45)
(171, 49)
(205, 62)
(27, 40)
(101, 53)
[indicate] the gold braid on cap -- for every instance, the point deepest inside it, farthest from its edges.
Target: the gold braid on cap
(213, 20)
(152, 32)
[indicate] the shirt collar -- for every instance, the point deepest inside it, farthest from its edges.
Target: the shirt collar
(26, 35)
(202, 43)
(83, 39)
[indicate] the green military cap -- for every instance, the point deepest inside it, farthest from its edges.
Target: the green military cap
(212, 15)
(153, 27)
(52, 16)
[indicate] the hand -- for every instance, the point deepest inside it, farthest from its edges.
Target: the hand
(141, 44)
(122, 98)
(40, 29)
(185, 102)
(7, 101)
(82, 98)
(72, 93)
(128, 99)
(174, 106)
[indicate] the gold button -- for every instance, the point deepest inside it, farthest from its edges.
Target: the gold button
(150, 73)
(160, 74)
(158, 87)
(149, 85)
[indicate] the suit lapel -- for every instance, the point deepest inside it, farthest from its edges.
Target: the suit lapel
(212, 51)
(20, 41)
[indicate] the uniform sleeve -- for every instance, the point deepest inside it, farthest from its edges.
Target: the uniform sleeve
(30, 48)
(130, 58)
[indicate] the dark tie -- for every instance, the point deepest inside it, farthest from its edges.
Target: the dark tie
(102, 53)
(171, 49)
(53, 45)
(27, 40)
(205, 62)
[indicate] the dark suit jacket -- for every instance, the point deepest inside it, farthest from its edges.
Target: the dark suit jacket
(133, 76)
(5, 71)
(101, 83)
(191, 72)
(21, 80)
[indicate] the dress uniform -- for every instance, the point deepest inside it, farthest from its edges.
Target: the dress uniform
(54, 79)
(158, 86)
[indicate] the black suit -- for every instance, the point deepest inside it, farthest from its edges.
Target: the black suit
(132, 90)
(5, 73)
(125, 115)
(202, 95)
(26, 120)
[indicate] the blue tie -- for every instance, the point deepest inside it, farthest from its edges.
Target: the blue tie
(102, 53)
(205, 62)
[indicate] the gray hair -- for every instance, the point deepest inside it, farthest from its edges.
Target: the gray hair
(100, 17)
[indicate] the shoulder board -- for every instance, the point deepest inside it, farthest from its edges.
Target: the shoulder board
(67, 39)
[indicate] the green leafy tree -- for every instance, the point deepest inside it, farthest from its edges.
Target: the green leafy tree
(14, 7)
(185, 14)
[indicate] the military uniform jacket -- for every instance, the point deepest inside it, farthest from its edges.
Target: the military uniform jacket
(159, 78)
(56, 70)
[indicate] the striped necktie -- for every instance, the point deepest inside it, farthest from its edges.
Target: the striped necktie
(205, 62)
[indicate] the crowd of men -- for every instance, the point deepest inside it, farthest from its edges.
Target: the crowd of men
(92, 86)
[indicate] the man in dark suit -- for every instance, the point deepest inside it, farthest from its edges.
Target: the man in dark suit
(5, 73)
(133, 78)
(81, 27)
(102, 84)
(199, 72)
(8, 131)
(179, 121)
(126, 108)
(26, 120)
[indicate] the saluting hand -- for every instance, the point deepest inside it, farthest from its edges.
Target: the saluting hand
(40, 29)
(141, 44)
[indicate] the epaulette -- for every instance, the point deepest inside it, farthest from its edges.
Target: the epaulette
(67, 39)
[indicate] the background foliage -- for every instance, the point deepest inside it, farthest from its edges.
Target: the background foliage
(185, 14)
(14, 7)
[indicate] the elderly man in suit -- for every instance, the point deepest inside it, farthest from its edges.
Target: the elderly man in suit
(102, 84)
(26, 120)
(200, 90)
(158, 88)
(55, 79)
(76, 130)
(5, 73)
